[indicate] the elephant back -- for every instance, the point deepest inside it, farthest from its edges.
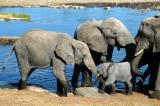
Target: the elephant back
(91, 35)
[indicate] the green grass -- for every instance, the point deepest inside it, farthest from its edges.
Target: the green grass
(11, 16)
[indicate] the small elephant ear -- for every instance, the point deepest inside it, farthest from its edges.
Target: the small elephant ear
(64, 51)
(108, 69)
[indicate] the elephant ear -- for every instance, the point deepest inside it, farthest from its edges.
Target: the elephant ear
(92, 36)
(64, 51)
(78, 53)
(156, 44)
(109, 69)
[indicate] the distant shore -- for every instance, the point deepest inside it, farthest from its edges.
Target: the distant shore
(152, 4)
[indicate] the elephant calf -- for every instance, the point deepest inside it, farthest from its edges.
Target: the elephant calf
(42, 49)
(108, 73)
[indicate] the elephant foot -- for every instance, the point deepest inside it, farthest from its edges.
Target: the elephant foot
(129, 92)
(112, 93)
(86, 84)
(140, 85)
(151, 87)
(113, 89)
(156, 94)
(22, 85)
(74, 85)
(101, 91)
(61, 94)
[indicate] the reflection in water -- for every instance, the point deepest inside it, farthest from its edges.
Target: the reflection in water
(62, 20)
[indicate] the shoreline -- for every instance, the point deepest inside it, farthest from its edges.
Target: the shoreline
(140, 4)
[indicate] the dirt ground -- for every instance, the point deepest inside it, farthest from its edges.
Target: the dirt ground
(14, 97)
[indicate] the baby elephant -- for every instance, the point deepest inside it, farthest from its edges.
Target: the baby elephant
(108, 73)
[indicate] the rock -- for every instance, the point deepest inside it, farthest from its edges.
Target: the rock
(8, 40)
(157, 16)
(89, 92)
(7, 86)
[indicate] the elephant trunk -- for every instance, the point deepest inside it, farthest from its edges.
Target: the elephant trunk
(91, 66)
(135, 63)
(130, 51)
(137, 57)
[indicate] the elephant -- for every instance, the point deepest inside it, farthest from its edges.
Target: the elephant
(42, 49)
(148, 43)
(109, 73)
(101, 36)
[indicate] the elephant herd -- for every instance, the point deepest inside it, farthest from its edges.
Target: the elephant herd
(92, 45)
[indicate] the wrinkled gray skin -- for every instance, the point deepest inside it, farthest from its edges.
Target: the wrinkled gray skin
(108, 73)
(101, 36)
(148, 41)
(42, 49)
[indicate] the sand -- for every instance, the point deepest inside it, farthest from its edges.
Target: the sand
(33, 98)
(153, 4)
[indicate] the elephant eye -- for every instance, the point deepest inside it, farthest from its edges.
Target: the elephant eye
(115, 33)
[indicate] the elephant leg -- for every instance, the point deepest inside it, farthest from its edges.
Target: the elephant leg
(110, 82)
(59, 87)
(101, 87)
(133, 80)
(23, 80)
(86, 77)
(152, 78)
(113, 89)
(59, 72)
(156, 93)
(24, 69)
(62, 87)
(128, 85)
(130, 51)
(109, 53)
(77, 70)
(145, 75)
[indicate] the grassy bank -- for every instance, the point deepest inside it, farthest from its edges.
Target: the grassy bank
(14, 16)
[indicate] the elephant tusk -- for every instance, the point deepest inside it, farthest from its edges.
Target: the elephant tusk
(138, 53)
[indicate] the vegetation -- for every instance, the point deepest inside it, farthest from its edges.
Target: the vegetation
(14, 16)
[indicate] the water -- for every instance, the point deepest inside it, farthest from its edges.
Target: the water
(61, 20)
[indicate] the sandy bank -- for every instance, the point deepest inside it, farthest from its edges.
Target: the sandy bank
(33, 98)
(155, 4)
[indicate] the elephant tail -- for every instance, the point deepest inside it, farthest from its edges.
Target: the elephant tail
(7, 58)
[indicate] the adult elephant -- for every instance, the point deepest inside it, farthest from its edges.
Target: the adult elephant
(101, 36)
(148, 45)
(42, 49)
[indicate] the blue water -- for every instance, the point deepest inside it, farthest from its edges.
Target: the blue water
(62, 20)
